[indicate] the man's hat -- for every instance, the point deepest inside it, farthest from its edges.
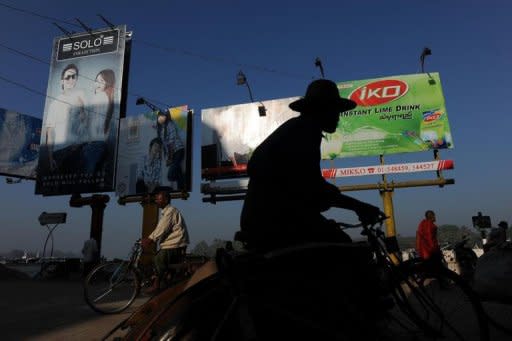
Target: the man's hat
(322, 94)
(503, 224)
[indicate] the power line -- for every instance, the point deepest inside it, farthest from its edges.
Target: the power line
(40, 60)
(210, 58)
(37, 92)
(38, 15)
(218, 59)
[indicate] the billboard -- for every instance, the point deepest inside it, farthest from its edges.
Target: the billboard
(395, 114)
(155, 151)
(82, 111)
(230, 134)
(19, 144)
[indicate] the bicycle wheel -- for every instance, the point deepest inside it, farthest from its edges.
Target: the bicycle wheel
(111, 287)
(434, 304)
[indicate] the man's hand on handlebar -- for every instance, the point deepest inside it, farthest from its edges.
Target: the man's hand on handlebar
(369, 214)
(147, 244)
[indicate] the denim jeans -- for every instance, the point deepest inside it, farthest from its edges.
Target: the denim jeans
(175, 173)
(93, 155)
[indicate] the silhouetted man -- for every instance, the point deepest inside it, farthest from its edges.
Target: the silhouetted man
(287, 192)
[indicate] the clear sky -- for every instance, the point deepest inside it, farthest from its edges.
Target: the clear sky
(189, 52)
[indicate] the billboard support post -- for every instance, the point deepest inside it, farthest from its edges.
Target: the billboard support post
(386, 194)
(149, 221)
(98, 202)
(387, 202)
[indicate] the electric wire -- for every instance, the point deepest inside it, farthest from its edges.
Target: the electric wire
(173, 49)
(40, 60)
(38, 92)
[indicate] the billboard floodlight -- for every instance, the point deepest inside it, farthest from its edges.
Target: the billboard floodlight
(142, 100)
(426, 52)
(318, 63)
(241, 79)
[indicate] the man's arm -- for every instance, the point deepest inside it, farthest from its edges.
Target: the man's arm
(162, 227)
(367, 213)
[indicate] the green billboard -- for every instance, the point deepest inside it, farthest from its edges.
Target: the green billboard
(397, 114)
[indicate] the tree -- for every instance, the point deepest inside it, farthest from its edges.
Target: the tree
(201, 249)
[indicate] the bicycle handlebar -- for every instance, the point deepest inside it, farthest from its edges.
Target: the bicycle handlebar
(380, 220)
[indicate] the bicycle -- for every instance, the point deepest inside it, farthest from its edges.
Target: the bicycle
(111, 287)
(429, 301)
(415, 304)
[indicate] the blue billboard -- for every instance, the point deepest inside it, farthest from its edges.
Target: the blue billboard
(19, 144)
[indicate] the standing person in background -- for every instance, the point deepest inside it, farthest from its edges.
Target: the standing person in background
(497, 236)
(91, 255)
(174, 149)
(172, 235)
(427, 245)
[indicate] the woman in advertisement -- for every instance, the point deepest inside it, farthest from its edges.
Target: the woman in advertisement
(101, 111)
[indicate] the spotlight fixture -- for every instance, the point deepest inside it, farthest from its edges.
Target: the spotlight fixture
(241, 79)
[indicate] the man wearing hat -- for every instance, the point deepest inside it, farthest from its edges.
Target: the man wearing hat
(286, 192)
(497, 236)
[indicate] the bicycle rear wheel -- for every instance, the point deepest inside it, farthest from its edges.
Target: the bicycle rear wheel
(111, 287)
(434, 304)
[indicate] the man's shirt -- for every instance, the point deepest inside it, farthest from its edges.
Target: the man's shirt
(171, 229)
(426, 239)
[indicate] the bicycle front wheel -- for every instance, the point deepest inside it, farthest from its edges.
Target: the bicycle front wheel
(435, 304)
(111, 287)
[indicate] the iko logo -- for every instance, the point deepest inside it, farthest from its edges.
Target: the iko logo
(88, 44)
(379, 92)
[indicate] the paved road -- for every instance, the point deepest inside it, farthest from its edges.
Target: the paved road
(51, 310)
(55, 310)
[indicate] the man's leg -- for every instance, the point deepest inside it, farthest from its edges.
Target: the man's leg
(161, 265)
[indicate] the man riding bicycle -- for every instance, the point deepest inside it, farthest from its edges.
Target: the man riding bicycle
(171, 232)
(287, 192)
(326, 284)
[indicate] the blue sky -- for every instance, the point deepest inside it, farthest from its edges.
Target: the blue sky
(190, 52)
